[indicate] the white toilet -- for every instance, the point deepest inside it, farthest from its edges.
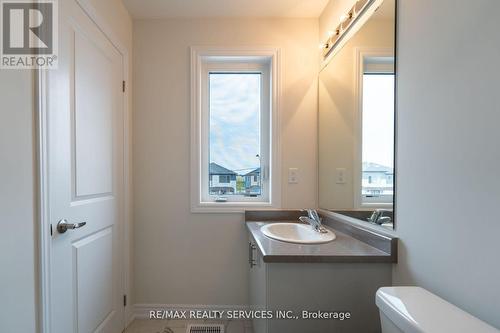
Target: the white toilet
(416, 310)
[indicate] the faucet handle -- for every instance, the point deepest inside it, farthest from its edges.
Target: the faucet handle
(374, 217)
(307, 211)
(315, 215)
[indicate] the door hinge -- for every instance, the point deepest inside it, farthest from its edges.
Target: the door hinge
(123, 86)
(124, 300)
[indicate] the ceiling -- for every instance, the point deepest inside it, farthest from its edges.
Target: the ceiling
(144, 9)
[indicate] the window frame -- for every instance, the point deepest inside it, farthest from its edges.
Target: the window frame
(246, 59)
(359, 201)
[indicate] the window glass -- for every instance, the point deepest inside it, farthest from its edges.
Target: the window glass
(235, 133)
(378, 137)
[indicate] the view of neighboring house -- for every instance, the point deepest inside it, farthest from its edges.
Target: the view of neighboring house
(252, 182)
(378, 180)
(222, 180)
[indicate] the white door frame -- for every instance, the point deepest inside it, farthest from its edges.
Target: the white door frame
(44, 232)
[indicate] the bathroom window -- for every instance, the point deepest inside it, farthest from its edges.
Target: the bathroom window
(235, 106)
(233, 120)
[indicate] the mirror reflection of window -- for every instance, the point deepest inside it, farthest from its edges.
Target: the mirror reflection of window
(356, 120)
(377, 185)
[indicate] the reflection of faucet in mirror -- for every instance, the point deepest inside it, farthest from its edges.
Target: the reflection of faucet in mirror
(378, 217)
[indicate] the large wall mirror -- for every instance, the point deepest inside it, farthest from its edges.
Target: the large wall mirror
(357, 120)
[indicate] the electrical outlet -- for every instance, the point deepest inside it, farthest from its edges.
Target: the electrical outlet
(340, 175)
(293, 175)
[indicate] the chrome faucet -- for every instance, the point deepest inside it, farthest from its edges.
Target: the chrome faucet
(314, 220)
(378, 216)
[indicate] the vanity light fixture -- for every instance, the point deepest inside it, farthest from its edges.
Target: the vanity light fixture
(347, 21)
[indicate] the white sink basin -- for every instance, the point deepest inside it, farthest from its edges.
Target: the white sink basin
(296, 233)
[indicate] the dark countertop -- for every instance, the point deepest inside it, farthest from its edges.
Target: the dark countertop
(354, 244)
(343, 249)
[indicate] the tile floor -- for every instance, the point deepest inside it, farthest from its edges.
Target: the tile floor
(180, 326)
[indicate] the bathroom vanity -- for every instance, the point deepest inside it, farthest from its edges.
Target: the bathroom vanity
(341, 276)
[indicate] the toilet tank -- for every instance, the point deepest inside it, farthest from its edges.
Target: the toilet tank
(416, 310)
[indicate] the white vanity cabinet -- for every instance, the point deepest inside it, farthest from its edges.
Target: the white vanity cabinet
(327, 287)
(257, 284)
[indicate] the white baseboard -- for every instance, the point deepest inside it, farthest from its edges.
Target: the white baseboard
(141, 311)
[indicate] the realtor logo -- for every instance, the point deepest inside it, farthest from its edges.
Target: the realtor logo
(29, 34)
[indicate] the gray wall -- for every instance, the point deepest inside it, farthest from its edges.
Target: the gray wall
(17, 211)
(448, 152)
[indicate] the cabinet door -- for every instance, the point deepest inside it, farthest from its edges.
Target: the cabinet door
(258, 284)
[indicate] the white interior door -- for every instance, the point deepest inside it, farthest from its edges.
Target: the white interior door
(85, 132)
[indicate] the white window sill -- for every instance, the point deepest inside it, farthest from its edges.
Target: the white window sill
(375, 205)
(229, 207)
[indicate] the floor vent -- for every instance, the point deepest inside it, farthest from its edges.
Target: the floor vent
(205, 328)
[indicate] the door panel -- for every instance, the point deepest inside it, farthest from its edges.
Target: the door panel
(85, 127)
(93, 257)
(93, 117)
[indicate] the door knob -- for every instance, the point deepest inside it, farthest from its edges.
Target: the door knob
(63, 225)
